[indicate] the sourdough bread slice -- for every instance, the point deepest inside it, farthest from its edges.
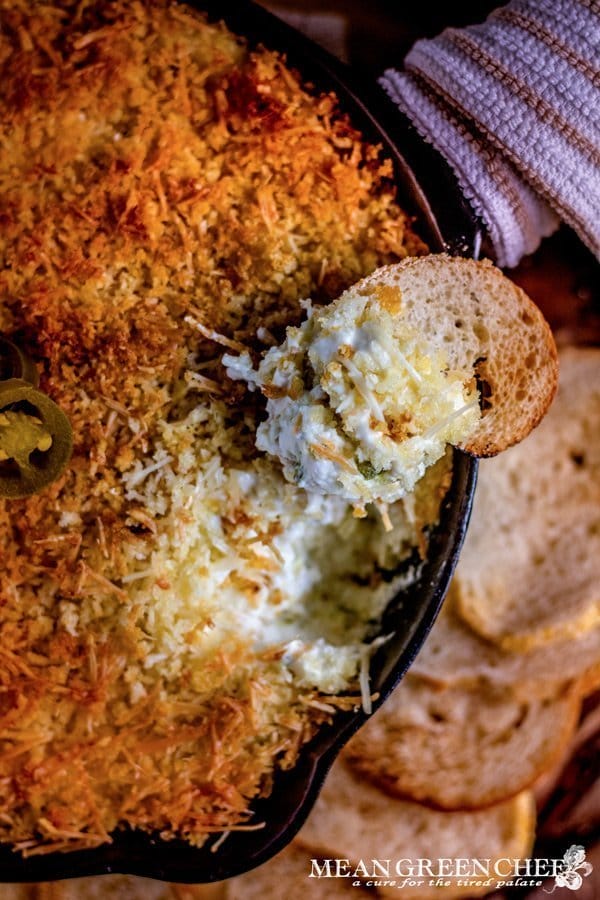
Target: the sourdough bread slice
(456, 656)
(486, 324)
(529, 573)
(289, 874)
(354, 820)
(111, 887)
(456, 748)
(98, 887)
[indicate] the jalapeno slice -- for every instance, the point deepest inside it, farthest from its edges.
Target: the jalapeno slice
(36, 439)
(16, 364)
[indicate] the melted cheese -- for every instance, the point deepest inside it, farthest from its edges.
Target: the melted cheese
(242, 555)
(359, 405)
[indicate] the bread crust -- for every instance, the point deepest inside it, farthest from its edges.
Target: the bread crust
(530, 567)
(487, 324)
(355, 821)
(454, 655)
(458, 749)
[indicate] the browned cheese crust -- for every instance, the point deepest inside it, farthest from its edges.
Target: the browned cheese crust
(150, 166)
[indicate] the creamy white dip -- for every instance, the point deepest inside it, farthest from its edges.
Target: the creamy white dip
(359, 406)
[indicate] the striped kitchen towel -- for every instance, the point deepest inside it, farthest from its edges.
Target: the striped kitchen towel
(514, 106)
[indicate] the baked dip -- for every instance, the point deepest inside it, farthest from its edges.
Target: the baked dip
(176, 617)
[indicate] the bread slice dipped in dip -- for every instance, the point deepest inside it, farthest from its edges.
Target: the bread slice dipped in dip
(367, 393)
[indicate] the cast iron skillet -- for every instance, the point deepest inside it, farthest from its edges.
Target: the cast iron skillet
(428, 190)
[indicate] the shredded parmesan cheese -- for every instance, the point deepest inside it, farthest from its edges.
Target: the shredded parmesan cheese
(212, 335)
(176, 620)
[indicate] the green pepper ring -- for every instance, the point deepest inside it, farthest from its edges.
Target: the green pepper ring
(35, 477)
(18, 363)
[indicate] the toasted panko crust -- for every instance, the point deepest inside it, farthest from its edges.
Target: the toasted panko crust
(154, 173)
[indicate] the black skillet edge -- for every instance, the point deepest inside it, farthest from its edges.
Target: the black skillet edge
(427, 189)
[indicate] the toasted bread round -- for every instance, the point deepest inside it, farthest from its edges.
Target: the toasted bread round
(17, 891)
(289, 873)
(486, 324)
(454, 655)
(456, 748)
(111, 887)
(99, 887)
(529, 573)
(354, 820)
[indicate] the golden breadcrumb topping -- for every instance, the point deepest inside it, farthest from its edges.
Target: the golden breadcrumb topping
(165, 193)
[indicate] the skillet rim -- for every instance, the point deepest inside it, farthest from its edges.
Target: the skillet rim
(427, 189)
